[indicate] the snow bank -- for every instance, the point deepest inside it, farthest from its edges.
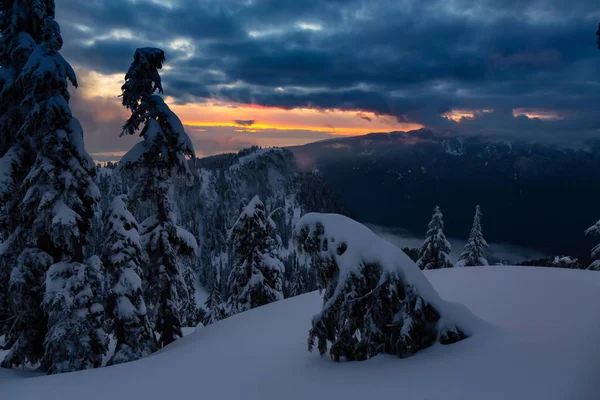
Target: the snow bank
(545, 348)
(362, 246)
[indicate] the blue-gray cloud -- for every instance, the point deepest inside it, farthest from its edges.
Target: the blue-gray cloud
(414, 60)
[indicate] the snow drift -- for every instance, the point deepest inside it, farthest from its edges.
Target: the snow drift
(376, 299)
(545, 347)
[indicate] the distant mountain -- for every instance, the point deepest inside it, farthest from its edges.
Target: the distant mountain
(531, 195)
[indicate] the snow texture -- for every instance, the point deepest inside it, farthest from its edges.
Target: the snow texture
(515, 361)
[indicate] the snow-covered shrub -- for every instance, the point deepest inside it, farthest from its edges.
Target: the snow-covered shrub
(376, 300)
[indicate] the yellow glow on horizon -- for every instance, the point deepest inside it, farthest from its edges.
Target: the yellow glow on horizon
(222, 114)
(337, 122)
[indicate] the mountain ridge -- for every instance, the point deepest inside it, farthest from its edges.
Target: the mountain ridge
(523, 188)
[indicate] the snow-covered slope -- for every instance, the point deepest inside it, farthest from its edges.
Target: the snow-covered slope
(545, 346)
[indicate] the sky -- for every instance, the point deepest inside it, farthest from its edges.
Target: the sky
(284, 72)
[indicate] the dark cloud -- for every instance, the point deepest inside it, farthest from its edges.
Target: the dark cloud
(244, 122)
(413, 60)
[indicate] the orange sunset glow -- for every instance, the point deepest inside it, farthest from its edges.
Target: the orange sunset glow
(334, 122)
(244, 120)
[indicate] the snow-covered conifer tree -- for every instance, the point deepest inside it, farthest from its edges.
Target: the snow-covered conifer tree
(191, 314)
(594, 230)
(257, 276)
(299, 284)
(161, 156)
(19, 33)
(74, 300)
(435, 252)
(375, 299)
(215, 310)
(26, 293)
(473, 253)
(123, 258)
(47, 193)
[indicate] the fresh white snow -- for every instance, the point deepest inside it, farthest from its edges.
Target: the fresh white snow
(544, 346)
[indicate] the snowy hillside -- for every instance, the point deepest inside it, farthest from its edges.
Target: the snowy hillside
(544, 346)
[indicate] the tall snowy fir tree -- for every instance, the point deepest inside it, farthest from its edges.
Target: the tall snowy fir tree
(473, 253)
(594, 230)
(155, 162)
(435, 251)
(123, 259)
(20, 32)
(257, 276)
(47, 199)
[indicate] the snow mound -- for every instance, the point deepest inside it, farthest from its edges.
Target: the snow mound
(545, 348)
(353, 245)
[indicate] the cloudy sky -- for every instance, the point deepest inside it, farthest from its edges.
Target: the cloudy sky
(281, 72)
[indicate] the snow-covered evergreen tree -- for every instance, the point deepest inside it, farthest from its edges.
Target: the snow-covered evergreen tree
(47, 193)
(162, 155)
(257, 276)
(123, 259)
(215, 309)
(74, 300)
(375, 299)
(299, 283)
(20, 32)
(191, 314)
(435, 252)
(26, 293)
(594, 230)
(473, 253)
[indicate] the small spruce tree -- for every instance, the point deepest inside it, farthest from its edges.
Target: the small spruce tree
(473, 253)
(215, 310)
(257, 276)
(154, 162)
(299, 284)
(123, 258)
(435, 252)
